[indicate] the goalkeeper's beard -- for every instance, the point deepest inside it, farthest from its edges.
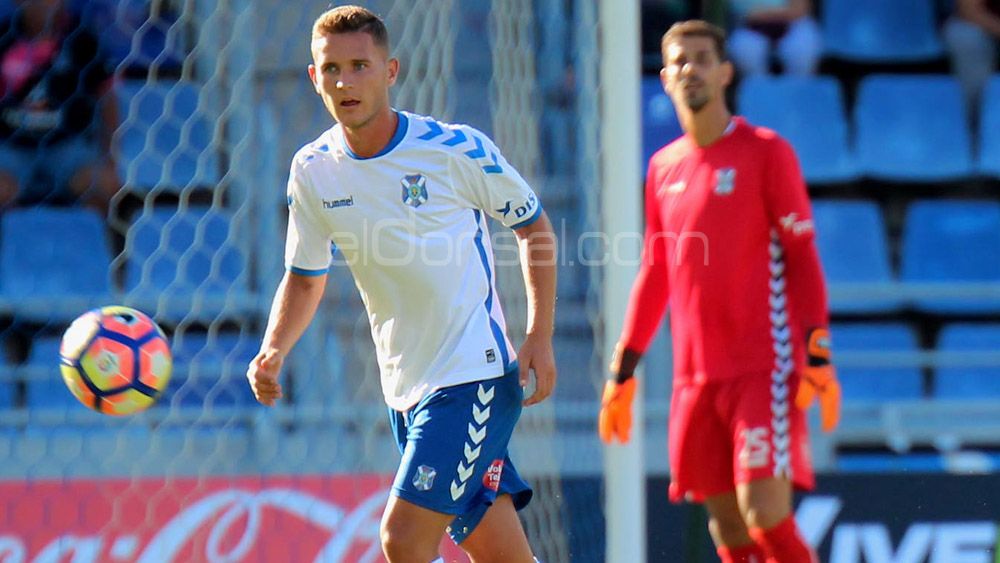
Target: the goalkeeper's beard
(696, 103)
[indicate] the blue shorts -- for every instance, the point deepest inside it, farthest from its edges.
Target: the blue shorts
(454, 446)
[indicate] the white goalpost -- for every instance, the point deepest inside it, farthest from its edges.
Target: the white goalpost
(621, 181)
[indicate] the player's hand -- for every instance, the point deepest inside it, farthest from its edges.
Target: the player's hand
(819, 379)
(263, 376)
(615, 420)
(536, 355)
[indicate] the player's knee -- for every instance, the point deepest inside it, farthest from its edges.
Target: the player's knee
(766, 515)
(401, 542)
(728, 529)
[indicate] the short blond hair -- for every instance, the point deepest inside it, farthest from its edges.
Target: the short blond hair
(695, 28)
(348, 19)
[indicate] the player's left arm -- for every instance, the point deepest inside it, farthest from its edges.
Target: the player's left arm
(792, 221)
(494, 186)
(537, 246)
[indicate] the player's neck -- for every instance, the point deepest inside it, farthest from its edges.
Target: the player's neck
(708, 125)
(369, 139)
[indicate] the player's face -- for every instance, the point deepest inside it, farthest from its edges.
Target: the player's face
(692, 73)
(353, 75)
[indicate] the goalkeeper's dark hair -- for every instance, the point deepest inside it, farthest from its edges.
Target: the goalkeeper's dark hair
(349, 19)
(695, 28)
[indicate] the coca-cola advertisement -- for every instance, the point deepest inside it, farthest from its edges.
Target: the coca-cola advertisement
(214, 520)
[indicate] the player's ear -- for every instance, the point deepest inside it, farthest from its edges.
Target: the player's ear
(728, 71)
(393, 66)
(663, 79)
(312, 78)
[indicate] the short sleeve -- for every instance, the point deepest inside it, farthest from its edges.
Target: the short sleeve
(490, 183)
(307, 248)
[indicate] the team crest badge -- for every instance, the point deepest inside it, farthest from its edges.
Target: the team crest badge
(423, 479)
(414, 189)
(725, 181)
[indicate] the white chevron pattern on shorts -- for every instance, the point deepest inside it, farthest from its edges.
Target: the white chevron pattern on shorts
(783, 363)
(473, 446)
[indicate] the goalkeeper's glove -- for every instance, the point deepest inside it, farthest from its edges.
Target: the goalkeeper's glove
(615, 420)
(820, 379)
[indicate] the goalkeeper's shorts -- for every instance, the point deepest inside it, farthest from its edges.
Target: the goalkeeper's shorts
(454, 446)
(737, 430)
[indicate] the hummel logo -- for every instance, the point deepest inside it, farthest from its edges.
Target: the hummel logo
(341, 202)
(791, 223)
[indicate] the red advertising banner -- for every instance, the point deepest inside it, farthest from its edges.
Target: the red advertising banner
(215, 519)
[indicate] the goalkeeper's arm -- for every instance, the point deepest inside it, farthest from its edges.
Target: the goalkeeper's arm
(646, 307)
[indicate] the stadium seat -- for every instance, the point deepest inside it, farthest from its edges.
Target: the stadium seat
(809, 112)
(52, 254)
(211, 370)
(7, 384)
(165, 139)
(989, 129)
(912, 128)
(862, 383)
(185, 257)
(885, 31)
(46, 389)
(852, 243)
(952, 241)
(968, 382)
(659, 120)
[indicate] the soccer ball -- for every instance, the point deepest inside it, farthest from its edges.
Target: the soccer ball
(115, 360)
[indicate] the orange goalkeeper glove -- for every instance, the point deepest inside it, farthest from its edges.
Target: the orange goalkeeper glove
(615, 420)
(819, 379)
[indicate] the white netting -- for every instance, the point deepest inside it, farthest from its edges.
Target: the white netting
(213, 99)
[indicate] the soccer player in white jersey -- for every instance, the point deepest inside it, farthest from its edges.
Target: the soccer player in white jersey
(405, 198)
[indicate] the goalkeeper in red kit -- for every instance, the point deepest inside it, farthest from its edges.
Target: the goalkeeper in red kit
(729, 246)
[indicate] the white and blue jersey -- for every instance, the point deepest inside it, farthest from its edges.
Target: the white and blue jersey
(410, 223)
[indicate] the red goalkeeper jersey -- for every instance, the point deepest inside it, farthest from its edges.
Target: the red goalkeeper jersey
(729, 244)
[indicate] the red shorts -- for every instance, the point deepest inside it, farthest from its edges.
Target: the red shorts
(735, 431)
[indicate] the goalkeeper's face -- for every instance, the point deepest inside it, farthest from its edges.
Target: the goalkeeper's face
(692, 73)
(353, 75)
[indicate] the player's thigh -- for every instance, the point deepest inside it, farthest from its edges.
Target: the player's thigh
(499, 537)
(725, 520)
(765, 503)
(409, 527)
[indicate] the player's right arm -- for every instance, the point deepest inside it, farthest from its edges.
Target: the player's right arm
(307, 260)
(646, 306)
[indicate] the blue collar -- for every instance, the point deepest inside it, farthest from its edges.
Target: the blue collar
(401, 126)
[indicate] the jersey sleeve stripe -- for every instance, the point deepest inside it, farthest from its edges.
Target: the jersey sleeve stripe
(534, 217)
(304, 272)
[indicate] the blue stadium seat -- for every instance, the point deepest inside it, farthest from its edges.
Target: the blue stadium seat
(989, 129)
(659, 120)
(7, 385)
(912, 128)
(184, 256)
(876, 383)
(952, 241)
(852, 243)
(211, 370)
(809, 112)
(968, 382)
(883, 31)
(50, 391)
(165, 139)
(53, 253)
